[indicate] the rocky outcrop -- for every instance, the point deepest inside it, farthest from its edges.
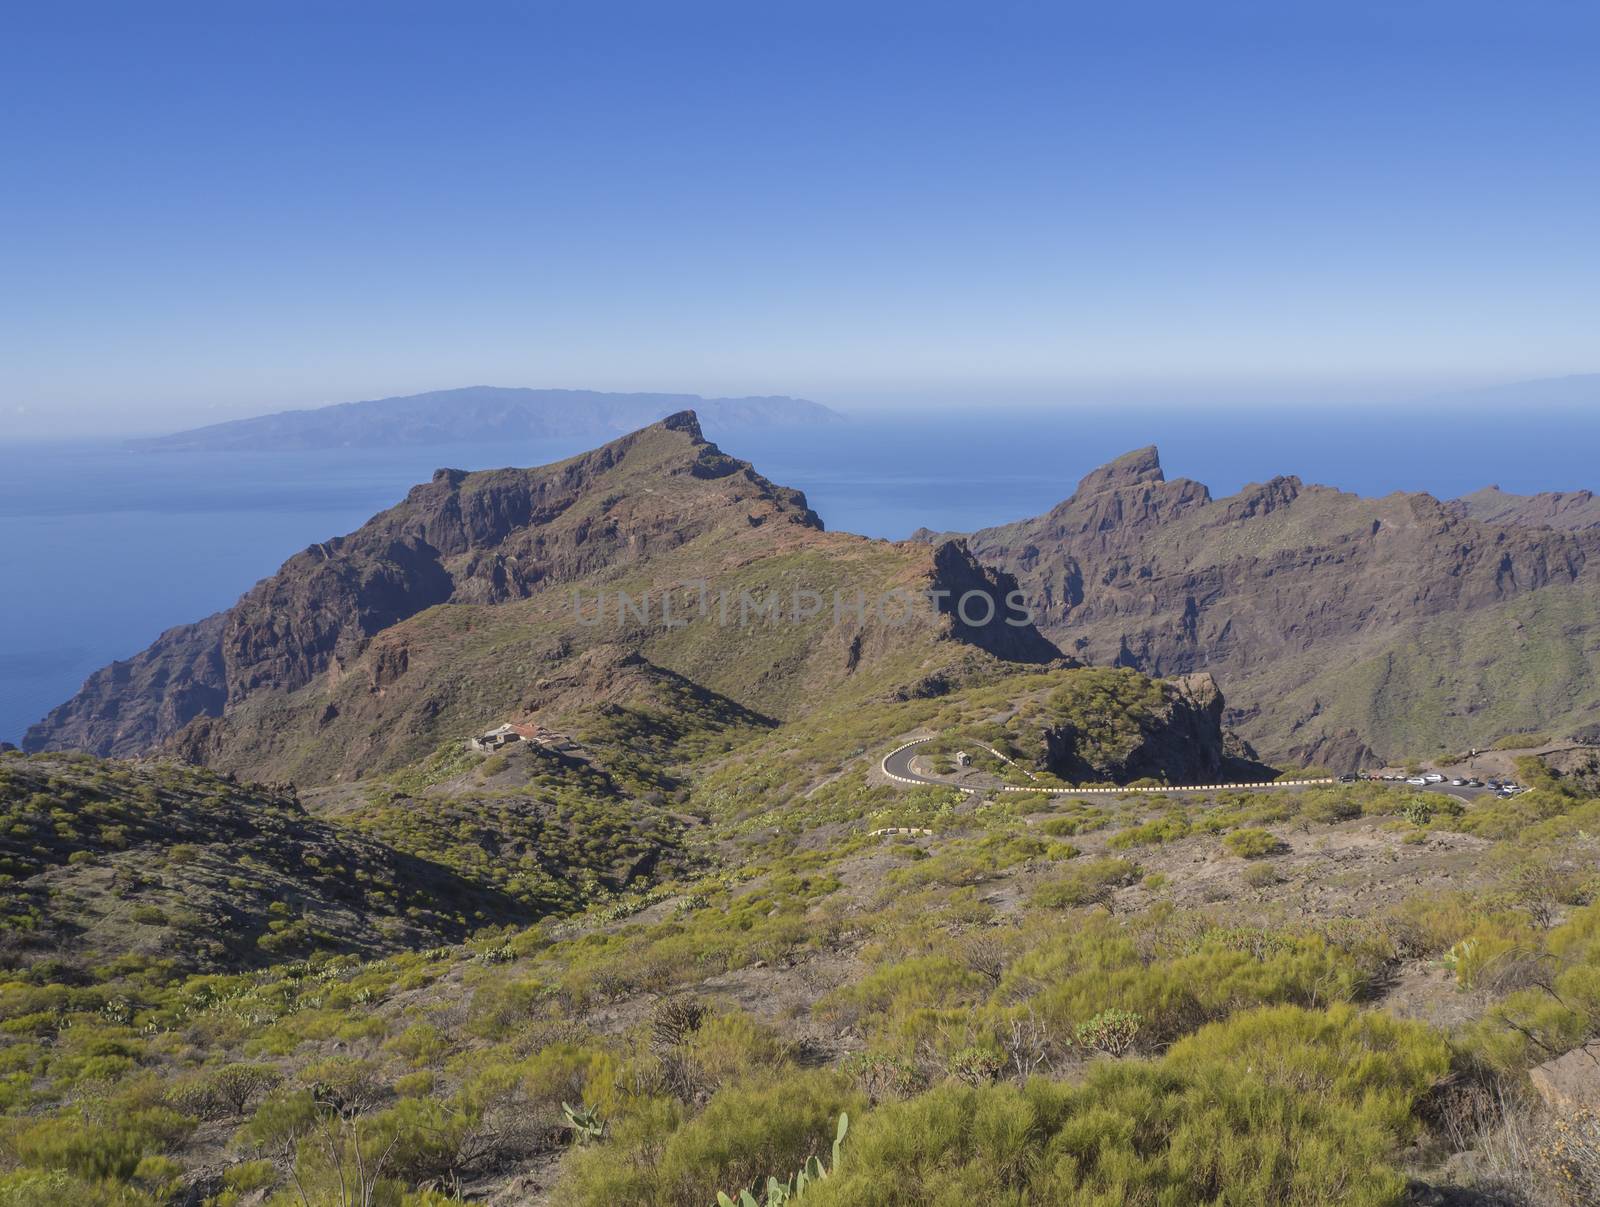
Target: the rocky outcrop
(483, 538)
(1176, 738)
(1571, 1082)
(985, 607)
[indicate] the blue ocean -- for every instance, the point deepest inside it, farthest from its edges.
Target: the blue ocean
(105, 547)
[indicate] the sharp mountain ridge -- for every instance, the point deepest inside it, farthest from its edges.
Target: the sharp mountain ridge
(482, 538)
(1351, 629)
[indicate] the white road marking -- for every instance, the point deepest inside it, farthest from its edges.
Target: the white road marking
(883, 766)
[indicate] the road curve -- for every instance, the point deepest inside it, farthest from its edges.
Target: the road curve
(896, 765)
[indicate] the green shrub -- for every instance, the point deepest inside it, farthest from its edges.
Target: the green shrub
(1417, 811)
(56, 1188)
(223, 1092)
(250, 1175)
(502, 1006)
(415, 1085)
(795, 1186)
(1163, 829)
(974, 1065)
(726, 1047)
(1087, 883)
(1562, 1008)
(1251, 844)
(1261, 875)
(880, 1075)
(919, 983)
(1330, 808)
(1279, 1105)
(421, 1044)
(95, 1150)
(1306, 773)
(1111, 1031)
(1102, 966)
(745, 1134)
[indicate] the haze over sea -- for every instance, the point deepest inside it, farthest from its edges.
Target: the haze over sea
(106, 548)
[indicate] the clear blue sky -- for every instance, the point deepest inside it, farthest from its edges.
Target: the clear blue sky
(231, 207)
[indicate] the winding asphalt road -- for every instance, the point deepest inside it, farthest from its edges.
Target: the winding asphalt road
(897, 766)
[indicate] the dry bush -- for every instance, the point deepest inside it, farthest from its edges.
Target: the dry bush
(1513, 970)
(1568, 1153)
(986, 956)
(1519, 1150)
(1027, 1045)
(674, 1020)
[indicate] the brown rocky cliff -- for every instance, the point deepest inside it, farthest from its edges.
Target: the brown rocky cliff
(984, 607)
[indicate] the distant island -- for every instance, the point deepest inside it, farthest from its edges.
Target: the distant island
(479, 413)
(1575, 390)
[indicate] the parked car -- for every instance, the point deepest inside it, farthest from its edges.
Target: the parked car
(1419, 781)
(1433, 777)
(1347, 778)
(1458, 783)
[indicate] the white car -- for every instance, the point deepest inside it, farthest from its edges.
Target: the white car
(1419, 780)
(1433, 777)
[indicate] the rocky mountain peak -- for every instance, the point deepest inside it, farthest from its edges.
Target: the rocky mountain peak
(1260, 498)
(1131, 469)
(683, 421)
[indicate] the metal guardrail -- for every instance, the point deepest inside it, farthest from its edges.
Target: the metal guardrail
(1257, 785)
